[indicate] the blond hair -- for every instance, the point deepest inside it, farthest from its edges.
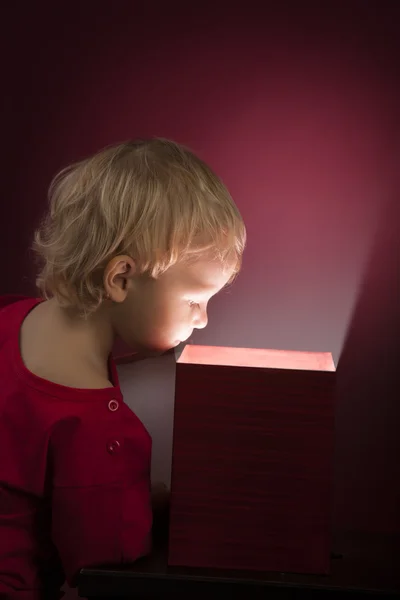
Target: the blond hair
(153, 200)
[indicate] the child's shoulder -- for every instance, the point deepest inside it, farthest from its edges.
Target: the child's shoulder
(13, 309)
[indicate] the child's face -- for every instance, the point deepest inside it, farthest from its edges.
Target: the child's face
(158, 314)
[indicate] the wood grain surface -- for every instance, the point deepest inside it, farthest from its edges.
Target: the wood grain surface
(252, 468)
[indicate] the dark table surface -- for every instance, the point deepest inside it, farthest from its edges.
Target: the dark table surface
(362, 566)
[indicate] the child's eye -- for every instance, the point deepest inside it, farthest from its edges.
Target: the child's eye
(191, 303)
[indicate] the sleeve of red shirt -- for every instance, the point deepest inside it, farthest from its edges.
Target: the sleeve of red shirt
(101, 500)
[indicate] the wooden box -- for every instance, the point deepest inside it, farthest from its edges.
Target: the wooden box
(252, 460)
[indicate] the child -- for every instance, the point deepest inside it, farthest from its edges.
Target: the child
(137, 240)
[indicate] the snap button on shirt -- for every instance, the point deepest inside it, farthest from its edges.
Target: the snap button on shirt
(113, 447)
(113, 405)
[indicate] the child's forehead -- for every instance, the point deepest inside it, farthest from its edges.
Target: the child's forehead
(206, 273)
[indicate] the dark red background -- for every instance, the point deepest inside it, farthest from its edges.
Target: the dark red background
(297, 108)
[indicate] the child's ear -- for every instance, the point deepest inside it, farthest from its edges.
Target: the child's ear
(116, 275)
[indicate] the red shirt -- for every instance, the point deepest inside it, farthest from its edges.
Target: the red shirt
(74, 474)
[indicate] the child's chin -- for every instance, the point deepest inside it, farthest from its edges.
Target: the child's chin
(153, 352)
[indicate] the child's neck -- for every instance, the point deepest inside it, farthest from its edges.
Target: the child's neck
(91, 339)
